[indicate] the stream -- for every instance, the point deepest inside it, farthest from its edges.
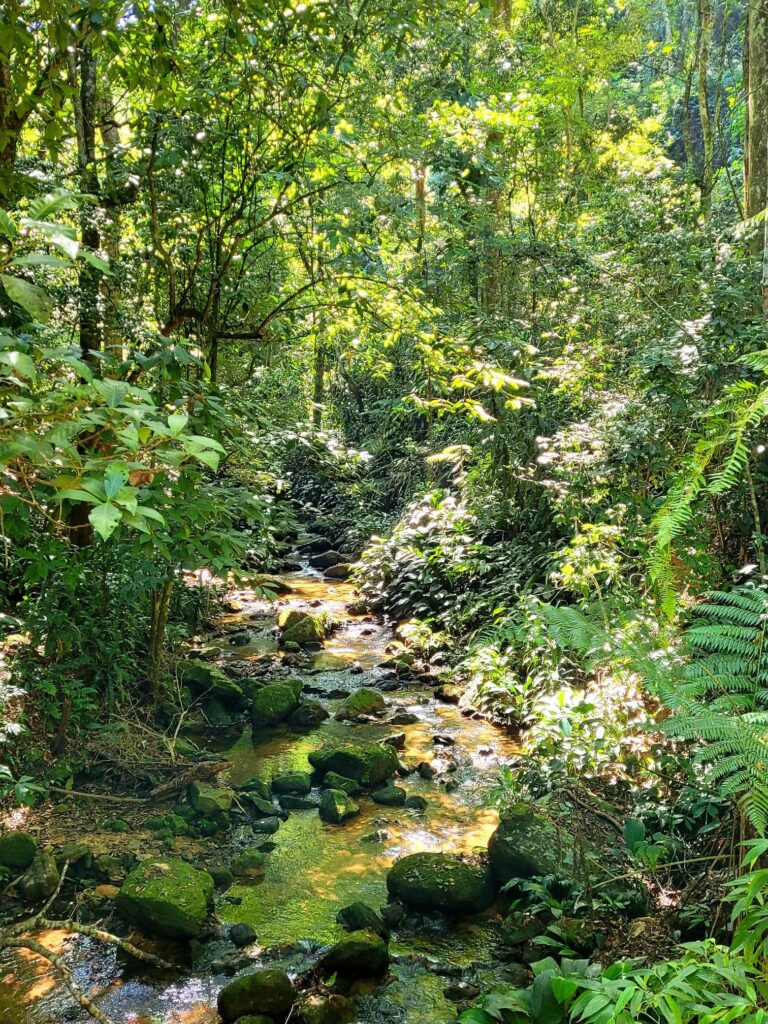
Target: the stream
(316, 868)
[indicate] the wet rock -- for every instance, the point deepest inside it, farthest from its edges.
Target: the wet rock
(336, 806)
(203, 678)
(336, 693)
(448, 694)
(109, 866)
(393, 914)
(397, 741)
(258, 807)
(256, 785)
(268, 992)
(308, 715)
(255, 1018)
(299, 803)
(416, 803)
(249, 864)
(166, 897)
(390, 796)
(362, 954)
(379, 836)
(79, 856)
(240, 639)
(460, 991)
(309, 631)
(526, 843)
(326, 559)
(361, 702)
(360, 917)
(222, 877)
(333, 780)
(440, 881)
(209, 800)
(519, 928)
(242, 934)
(365, 763)
(273, 703)
(272, 584)
(357, 607)
(356, 669)
(425, 770)
(17, 850)
(340, 571)
(441, 740)
(108, 892)
(404, 718)
(325, 1009)
(266, 826)
(296, 783)
(40, 879)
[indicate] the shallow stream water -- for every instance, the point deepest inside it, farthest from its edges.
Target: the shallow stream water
(315, 868)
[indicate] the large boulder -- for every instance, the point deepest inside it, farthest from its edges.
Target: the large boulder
(361, 702)
(525, 844)
(17, 850)
(209, 800)
(268, 992)
(366, 763)
(166, 897)
(273, 704)
(325, 1009)
(308, 715)
(361, 954)
(335, 781)
(440, 881)
(341, 571)
(336, 807)
(202, 677)
(297, 783)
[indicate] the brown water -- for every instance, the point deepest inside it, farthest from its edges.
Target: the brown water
(316, 868)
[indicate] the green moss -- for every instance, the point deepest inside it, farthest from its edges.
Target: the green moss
(17, 850)
(361, 954)
(272, 704)
(361, 702)
(365, 763)
(267, 993)
(166, 897)
(208, 679)
(439, 881)
(336, 807)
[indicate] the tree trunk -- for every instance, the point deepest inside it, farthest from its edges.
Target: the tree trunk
(756, 120)
(318, 384)
(707, 180)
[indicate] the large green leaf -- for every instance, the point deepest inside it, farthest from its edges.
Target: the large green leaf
(104, 519)
(31, 297)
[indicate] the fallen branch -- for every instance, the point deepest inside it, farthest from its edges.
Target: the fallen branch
(100, 796)
(202, 770)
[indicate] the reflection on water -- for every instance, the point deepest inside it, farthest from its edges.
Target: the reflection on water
(316, 868)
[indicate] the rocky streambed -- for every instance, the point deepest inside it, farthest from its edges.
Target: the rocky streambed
(355, 761)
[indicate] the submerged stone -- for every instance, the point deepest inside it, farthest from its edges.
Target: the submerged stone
(166, 897)
(440, 881)
(390, 796)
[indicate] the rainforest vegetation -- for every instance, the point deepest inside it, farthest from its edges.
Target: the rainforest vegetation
(383, 511)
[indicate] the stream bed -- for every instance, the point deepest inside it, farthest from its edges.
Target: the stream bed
(315, 868)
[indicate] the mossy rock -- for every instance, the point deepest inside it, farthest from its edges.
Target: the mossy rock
(308, 715)
(308, 630)
(361, 702)
(333, 780)
(525, 844)
(201, 677)
(326, 559)
(272, 704)
(440, 881)
(40, 879)
(340, 571)
(258, 807)
(256, 785)
(326, 1009)
(255, 1018)
(249, 864)
(17, 850)
(337, 807)
(166, 897)
(210, 800)
(365, 763)
(362, 954)
(268, 993)
(289, 617)
(360, 917)
(297, 783)
(390, 796)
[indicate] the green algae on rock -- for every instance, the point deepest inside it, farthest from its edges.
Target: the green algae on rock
(17, 850)
(440, 881)
(336, 806)
(361, 702)
(268, 993)
(361, 954)
(166, 897)
(272, 704)
(364, 763)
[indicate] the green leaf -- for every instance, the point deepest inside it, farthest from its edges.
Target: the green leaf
(177, 421)
(633, 832)
(113, 392)
(22, 364)
(95, 261)
(104, 519)
(114, 480)
(39, 259)
(30, 297)
(7, 227)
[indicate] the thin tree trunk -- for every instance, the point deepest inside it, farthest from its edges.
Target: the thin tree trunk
(707, 133)
(756, 119)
